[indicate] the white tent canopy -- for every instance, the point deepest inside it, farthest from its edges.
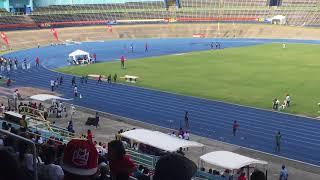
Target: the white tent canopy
(159, 140)
(229, 160)
(45, 97)
(78, 53)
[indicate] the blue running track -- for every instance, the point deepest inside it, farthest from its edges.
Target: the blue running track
(301, 136)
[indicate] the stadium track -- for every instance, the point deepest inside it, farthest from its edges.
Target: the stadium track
(213, 119)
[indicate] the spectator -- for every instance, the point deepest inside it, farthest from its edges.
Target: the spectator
(145, 175)
(23, 123)
(70, 127)
(103, 172)
(210, 171)
(25, 158)
(284, 173)
(10, 168)
(181, 132)
(226, 174)
(139, 172)
(257, 175)
(80, 160)
(2, 108)
(89, 135)
(180, 151)
(173, 134)
(174, 167)
(242, 176)
(186, 135)
(4, 125)
(49, 170)
(121, 165)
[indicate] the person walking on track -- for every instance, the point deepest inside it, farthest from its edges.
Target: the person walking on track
(235, 127)
(146, 47)
(75, 91)
(278, 141)
(73, 81)
(186, 119)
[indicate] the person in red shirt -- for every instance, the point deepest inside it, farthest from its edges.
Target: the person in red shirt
(121, 166)
(89, 135)
(8, 82)
(122, 62)
(37, 62)
(242, 176)
(234, 127)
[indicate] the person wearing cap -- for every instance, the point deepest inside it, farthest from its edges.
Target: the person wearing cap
(80, 160)
(283, 173)
(121, 166)
(174, 167)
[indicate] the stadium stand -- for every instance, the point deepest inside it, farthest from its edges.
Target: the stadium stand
(297, 12)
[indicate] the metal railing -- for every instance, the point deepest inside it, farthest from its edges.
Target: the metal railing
(143, 159)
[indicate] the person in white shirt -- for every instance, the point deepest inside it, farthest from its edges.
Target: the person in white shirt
(75, 91)
(2, 108)
(49, 170)
(186, 135)
(52, 84)
(288, 99)
(284, 45)
(173, 134)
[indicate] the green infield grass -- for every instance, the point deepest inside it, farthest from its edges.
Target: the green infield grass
(251, 75)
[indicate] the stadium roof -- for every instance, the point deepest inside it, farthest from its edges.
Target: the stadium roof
(159, 140)
(229, 160)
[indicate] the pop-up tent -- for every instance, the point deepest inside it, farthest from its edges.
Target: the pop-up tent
(232, 161)
(159, 140)
(79, 57)
(229, 160)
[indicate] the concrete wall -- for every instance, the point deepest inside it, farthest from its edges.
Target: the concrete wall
(30, 38)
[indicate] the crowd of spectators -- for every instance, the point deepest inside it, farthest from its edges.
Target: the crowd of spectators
(80, 159)
(84, 158)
